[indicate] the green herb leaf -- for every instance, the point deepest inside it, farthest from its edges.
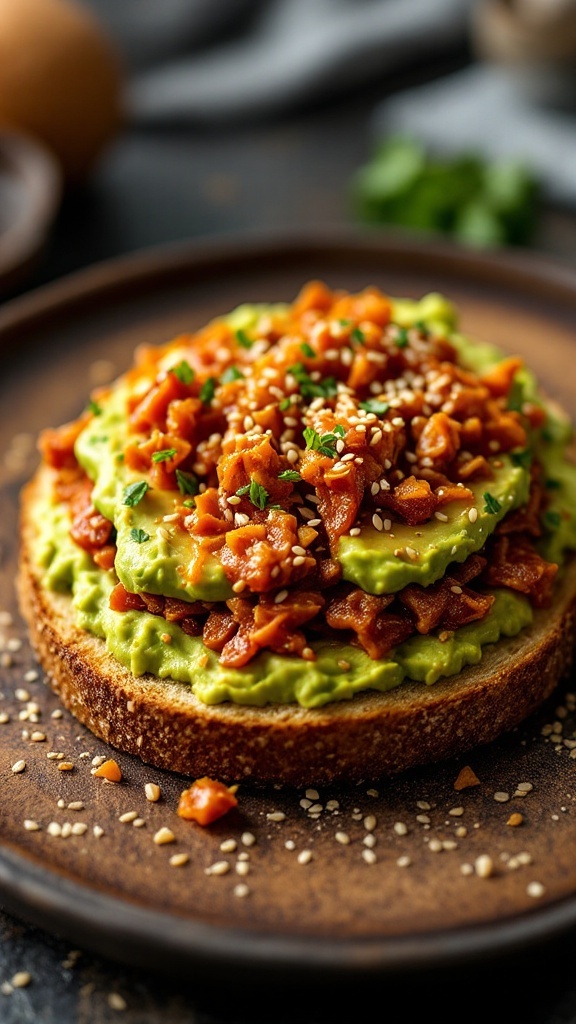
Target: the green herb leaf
(207, 390)
(139, 535)
(312, 389)
(242, 338)
(94, 408)
(375, 405)
(553, 485)
(189, 503)
(401, 339)
(231, 373)
(523, 459)
(134, 493)
(307, 350)
(422, 327)
(289, 474)
(242, 491)
(358, 336)
(164, 455)
(187, 482)
(551, 519)
(339, 430)
(285, 404)
(258, 494)
(325, 444)
(183, 371)
(492, 504)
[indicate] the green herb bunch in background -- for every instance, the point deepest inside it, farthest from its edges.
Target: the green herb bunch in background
(479, 203)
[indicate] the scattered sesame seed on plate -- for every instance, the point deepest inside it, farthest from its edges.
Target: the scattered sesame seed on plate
(18, 766)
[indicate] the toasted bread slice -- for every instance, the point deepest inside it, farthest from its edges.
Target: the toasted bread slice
(370, 736)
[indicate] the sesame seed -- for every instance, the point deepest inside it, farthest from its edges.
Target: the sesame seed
(164, 835)
(299, 560)
(304, 857)
(456, 589)
(369, 856)
(177, 860)
(484, 866)
(241, 890)
(355, 531)
(21, 979)
(535, 890)
(473, 514)
(98, 831)
(65, 766)
(31, 826)
(370, 822)
(128, 816)
(248, 839)
(342, 837)
(228, 845)
(18, 766)
(400, 828)
(22, 695)
(4, 717)
(314, 522)
(441, 516)
(280, 596)
(79, 828)
(242, 868)
(220, 867)
(54, 829)
(233, 499)
(501, 798)
(116, 1001)
(239, 586)
(377, 521)
(404, 861)
(276, 816)
(152, 792)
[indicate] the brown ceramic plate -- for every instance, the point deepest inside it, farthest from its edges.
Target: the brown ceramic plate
(30, 193)
(341, 883)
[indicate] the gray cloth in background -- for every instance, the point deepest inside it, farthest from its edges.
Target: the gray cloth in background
(490, 111)
(208, 61)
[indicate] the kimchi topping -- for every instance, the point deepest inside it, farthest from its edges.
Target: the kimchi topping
(278, 441)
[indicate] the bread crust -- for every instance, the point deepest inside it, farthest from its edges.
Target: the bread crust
(372, 735)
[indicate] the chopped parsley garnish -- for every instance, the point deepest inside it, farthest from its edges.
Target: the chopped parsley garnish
(134, 493)
(325, 444)
(401, 339)
(307, 350)
(187, 482)
(139, 535)
(374, 405)
(339, 430)
(515, 396)
(164, 455)
(207, 390)
(344, 323)
(289, 474)
(310, 388)
(231, 373)
(183, 371)
(358, 336)
(94, 408)
(98, 439)
(492, 504)
(258, 495)
(422, 327)
(551, 519)
(242, 338)
(189, 503)
(523, 459)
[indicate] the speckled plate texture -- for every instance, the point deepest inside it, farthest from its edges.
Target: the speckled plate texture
(333, 882)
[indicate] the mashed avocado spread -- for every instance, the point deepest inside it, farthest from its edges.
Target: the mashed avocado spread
(375, 560)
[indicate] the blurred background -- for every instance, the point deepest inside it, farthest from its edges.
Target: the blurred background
(131, 123)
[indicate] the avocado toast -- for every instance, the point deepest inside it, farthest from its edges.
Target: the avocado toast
(327, 539)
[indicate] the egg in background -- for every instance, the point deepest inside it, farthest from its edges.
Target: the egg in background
(61, 80)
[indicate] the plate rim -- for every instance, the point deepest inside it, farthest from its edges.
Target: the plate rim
(28, 889)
